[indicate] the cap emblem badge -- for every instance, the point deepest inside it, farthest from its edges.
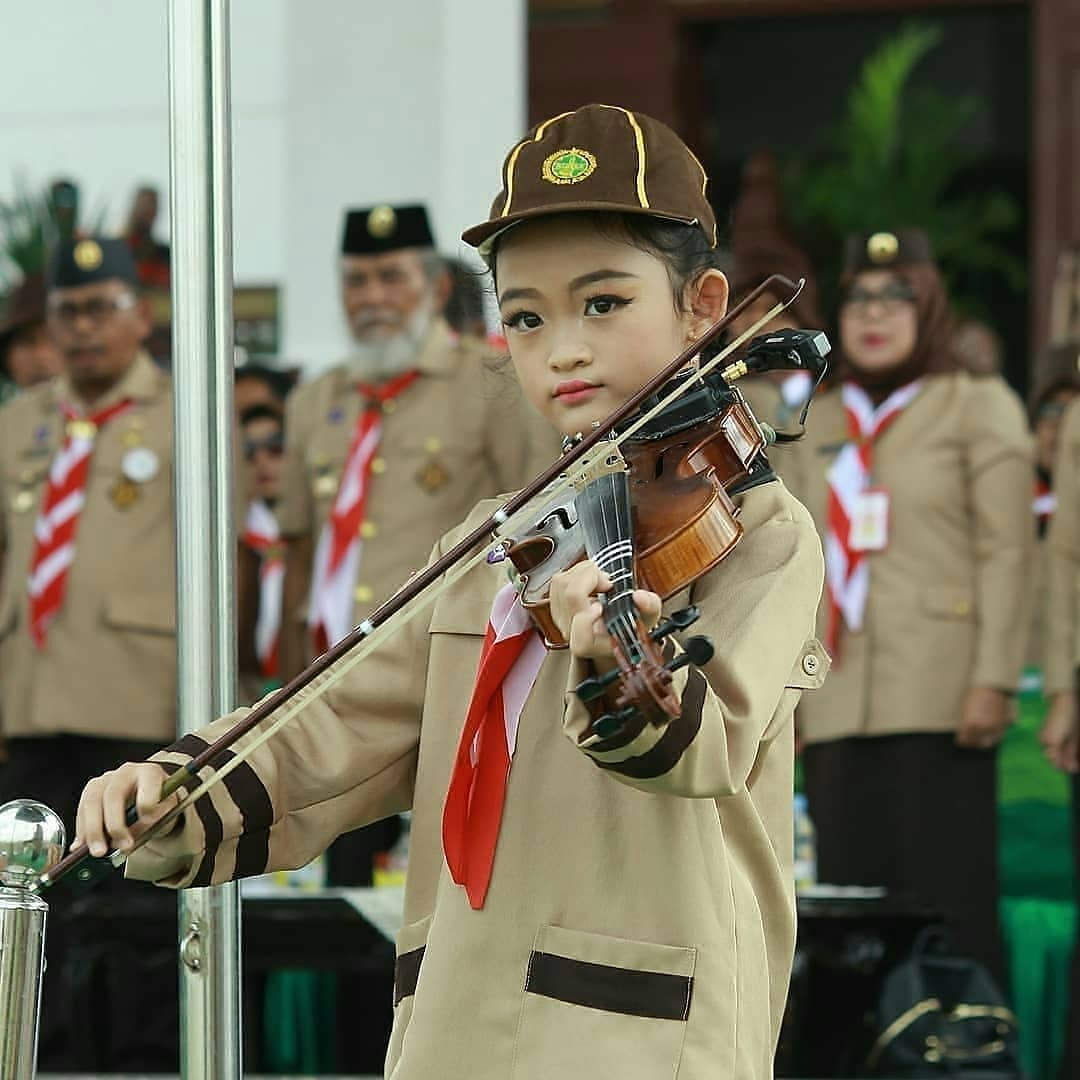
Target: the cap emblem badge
(882, 247)
(569, 166)
(87, 255)
(381, 222)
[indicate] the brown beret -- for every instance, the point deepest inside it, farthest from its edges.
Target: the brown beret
(885, 249)
(599, 158)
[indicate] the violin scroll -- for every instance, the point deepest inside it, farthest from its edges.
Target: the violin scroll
(610, 713)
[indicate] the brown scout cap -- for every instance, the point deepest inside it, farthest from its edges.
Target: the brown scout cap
(599, 158)
(885, 249)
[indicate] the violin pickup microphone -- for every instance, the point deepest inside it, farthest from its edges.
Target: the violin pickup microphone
(785, 350)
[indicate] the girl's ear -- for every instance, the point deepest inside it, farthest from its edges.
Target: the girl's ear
(707, 302)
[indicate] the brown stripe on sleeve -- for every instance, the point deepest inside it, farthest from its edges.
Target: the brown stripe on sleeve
(252, 799)
(611, 989)
(671, 746)
(407, 974)
(213, 828)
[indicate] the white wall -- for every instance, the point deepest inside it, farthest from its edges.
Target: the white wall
(335, 103)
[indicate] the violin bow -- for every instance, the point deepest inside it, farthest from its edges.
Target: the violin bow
(418, 592)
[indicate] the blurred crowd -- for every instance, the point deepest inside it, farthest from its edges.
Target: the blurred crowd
(949, 511)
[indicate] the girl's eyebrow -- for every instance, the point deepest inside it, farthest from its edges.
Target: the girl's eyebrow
(579, 282)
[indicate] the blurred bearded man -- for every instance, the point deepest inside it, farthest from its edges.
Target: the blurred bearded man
(389, 450)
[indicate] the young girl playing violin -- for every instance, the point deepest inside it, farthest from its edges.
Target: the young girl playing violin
(615, 904)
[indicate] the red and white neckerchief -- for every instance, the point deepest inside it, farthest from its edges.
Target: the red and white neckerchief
(263, 535)
(510, 661)
(58, 518)
(847, 572)
(337, 556)
(1044, 502)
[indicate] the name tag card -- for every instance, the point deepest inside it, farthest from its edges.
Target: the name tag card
(870, 521)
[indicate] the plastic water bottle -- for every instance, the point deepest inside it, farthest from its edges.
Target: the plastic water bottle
(805, 845)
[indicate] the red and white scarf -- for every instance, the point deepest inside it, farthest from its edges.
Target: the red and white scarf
(1044, 502)
(58, 518)
(847, 572)
(337, 556)
(263, 536)
(510, 661)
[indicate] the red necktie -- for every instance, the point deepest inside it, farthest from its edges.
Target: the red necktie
(510, 661)
(58, 519)
(337, 555)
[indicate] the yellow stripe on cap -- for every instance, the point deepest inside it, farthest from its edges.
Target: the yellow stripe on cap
(511, 161)
(639, 139)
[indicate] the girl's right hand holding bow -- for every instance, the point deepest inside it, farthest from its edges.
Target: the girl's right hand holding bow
(102, 815)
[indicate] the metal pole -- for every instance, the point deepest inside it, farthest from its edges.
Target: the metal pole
(201, 215)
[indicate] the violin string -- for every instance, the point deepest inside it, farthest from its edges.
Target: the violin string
(329, 678)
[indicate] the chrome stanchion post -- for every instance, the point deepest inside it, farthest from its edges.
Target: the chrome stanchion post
(31, 842)
(201, 225)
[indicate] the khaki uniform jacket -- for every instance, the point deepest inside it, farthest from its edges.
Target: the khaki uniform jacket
(462, 432)
(640, 919)
(948, 607)
(114, 638)
(1062, 545)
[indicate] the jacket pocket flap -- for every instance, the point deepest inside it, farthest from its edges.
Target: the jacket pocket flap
(151, 612)
(636, 978)
(810, 669)
(949, 602)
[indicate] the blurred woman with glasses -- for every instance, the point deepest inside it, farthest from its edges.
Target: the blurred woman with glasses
(918, 476)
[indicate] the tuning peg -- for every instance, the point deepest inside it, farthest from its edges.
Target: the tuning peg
(697, 651)
(594, 686)
(677, 620)
(612, 723)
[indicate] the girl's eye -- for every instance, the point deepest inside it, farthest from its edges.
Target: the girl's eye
(523, 320)
(604, 305)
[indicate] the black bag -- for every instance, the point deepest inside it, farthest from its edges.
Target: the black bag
(942, 1015)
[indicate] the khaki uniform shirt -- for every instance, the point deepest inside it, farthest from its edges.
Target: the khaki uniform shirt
(109, 665)
(640, 920)
(1062, 545)
(948, 606)
(463, 431)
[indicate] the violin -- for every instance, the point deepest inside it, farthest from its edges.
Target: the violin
(658, 514)
(702, 459)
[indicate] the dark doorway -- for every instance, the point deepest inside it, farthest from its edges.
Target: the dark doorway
(782, 82)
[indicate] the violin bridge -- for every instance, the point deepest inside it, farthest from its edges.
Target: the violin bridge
(606, 461)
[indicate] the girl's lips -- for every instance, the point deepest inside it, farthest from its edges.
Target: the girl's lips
(574, 391)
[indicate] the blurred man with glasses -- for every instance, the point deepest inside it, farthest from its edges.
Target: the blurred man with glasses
(88, 611)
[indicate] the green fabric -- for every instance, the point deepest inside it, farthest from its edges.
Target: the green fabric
(1038, 886)
(299, 1028)
(1039, 935)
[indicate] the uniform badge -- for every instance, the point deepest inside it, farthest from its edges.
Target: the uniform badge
(133, 438)
(882, 247)
(325, 486)
(22, 501)
(432, 477)
(335, 416)
(381, 222)
(87, 255)
(569, 166)
(81, 429)
(124, 493)
(140, 465)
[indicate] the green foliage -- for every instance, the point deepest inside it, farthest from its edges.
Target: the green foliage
(894, 161)
(29, 225)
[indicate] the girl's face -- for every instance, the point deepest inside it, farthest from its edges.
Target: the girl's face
(589, 318)
(879, 322)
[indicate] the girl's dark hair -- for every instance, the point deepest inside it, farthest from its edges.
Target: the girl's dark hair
(933, 353)
(684, 249)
